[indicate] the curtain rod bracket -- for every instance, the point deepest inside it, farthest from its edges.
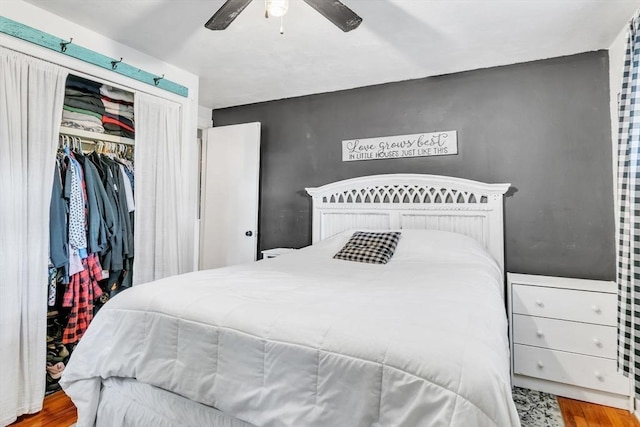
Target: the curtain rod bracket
(114, 64)
(156, 80)
(63, 45)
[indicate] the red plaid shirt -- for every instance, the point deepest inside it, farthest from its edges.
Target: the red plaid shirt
(81, 291)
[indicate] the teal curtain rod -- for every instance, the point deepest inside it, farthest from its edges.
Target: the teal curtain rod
(67, 47)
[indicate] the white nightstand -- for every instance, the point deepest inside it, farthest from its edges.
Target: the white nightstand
(275, 252)
(563, 338)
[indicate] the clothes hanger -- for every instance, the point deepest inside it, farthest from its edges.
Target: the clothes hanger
(76, 145)
(67, 143)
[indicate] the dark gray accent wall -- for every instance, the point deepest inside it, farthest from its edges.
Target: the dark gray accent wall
(543, 126)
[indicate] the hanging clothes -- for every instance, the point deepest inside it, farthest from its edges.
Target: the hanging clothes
(112, 259)
(101, 221)
(91, 218)
(83, 289)
(58, 211)
(128, 189)
(121, 206)
(77, 220)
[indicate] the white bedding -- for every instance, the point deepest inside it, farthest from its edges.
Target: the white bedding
(306, 340)
(127, 402)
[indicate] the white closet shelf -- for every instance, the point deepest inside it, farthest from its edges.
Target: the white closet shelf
(96, 136)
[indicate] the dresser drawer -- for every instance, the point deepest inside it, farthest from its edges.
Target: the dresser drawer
(583, 338)
(568, 304)
(569, 368)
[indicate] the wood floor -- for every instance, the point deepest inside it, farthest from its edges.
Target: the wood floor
(581, 414)
(58, 411)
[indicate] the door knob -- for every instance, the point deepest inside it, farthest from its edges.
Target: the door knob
(248, 233)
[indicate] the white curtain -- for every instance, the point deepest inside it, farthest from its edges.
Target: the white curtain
(164, 192)
(31, 98)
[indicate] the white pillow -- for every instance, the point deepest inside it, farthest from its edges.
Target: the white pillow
(425, 246)
(438, 246)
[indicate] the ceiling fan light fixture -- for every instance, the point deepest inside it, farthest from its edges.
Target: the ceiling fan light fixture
(276, 8)
(334, 10)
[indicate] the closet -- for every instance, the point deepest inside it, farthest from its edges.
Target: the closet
(91, 217)
(165, 188)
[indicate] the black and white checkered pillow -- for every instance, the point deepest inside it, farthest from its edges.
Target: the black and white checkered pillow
(371, 247)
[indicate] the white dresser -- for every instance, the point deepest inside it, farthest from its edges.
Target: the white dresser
(563, 338)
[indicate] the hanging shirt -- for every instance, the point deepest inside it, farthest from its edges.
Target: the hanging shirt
(127, 190)
(58, 249)
(51, 300)
(77, 222)
(83, 289)
(100, 213)
(75, 262)
(111, 259)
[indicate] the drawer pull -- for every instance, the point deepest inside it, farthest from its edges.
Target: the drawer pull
(540, 364)
(598, 375)
(539, 303)
(597, 342)
(539, 333)
(596, 309)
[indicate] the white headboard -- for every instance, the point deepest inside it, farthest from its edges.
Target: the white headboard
(412, 201)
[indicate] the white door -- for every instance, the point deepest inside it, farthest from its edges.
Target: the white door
(229, 195)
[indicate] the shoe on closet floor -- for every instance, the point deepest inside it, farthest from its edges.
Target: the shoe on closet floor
(57, 352)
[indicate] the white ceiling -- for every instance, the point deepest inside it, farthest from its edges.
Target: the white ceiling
(398, 40)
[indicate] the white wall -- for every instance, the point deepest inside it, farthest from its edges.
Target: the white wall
(42, 20)
(205, 116)
(616, 63)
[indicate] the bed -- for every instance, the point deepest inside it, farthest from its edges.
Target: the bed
(308, 340)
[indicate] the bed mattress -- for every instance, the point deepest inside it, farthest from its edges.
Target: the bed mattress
(307, 340)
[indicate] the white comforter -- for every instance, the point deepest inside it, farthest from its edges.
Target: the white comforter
(305, 340)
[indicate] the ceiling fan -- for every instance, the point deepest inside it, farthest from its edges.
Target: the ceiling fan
(334, 10)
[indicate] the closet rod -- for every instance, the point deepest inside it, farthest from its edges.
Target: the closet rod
(95, 136)
(69, 48)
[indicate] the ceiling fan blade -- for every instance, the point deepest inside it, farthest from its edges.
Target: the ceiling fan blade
(226, 14)
(336, 12)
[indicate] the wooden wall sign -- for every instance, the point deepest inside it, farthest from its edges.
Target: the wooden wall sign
(394, 147)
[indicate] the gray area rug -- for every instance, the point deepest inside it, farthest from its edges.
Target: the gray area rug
(537, 409)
